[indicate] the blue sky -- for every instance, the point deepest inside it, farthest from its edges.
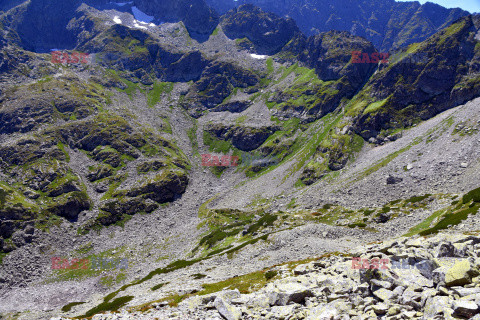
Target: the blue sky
(469, 5)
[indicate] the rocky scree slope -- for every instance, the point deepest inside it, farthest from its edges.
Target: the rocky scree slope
(405, 278)
(90, 146)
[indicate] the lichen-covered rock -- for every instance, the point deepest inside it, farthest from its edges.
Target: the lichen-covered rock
(458, 273)
(289, 292)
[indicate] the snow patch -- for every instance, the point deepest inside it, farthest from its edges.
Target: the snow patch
(121, 4)
(116, 19)
(141, 16)
(136, 25)
(258, 56)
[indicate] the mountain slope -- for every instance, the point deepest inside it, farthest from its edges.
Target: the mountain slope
(386, 23)
(108, 158)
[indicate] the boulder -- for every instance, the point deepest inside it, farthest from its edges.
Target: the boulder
(380, 308)
(226, 310)
(287, 293)
(462, 308)
(445, 249)
(384, 294)
(463, 292)
(459, 274)
(437, 306)
(426, 268)
(393, 180)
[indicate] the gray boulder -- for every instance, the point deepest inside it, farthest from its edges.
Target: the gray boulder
(462, 308)
(226, 310)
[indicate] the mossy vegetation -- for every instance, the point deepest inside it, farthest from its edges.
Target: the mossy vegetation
(108, 306)
(448, 217)
(452, 218)
(416, 199)
(158, 286)
(155, 94)
(372, 107)
(68, 307)
(2, 256)
(473, 195)
(270, 274)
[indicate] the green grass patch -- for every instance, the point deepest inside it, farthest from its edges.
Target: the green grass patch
(2, 255)
(270, 274)
(416, 199)
(158, 286)
(368, 212)
(451, 219)
(375, 106)
(108, 306)
(216, 145)
(215, 32)
(359, 224)
(473, 195)
(159, 88)
(244, 284)
(270, 67)
(68, 307)
(265, 221)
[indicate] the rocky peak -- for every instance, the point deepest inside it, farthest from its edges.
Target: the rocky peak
(197, 16)
(386, 23)
(268, 32)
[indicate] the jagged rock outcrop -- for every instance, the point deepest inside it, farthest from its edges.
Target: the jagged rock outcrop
(124, 48)
(217, 82)
(243, 138)
(197, 16)
(42, 24)
(267, 32)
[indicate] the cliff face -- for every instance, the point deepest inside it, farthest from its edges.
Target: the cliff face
(386, 23)
(417, 89)
(197, 16)
(268, 32)
(42, 24)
